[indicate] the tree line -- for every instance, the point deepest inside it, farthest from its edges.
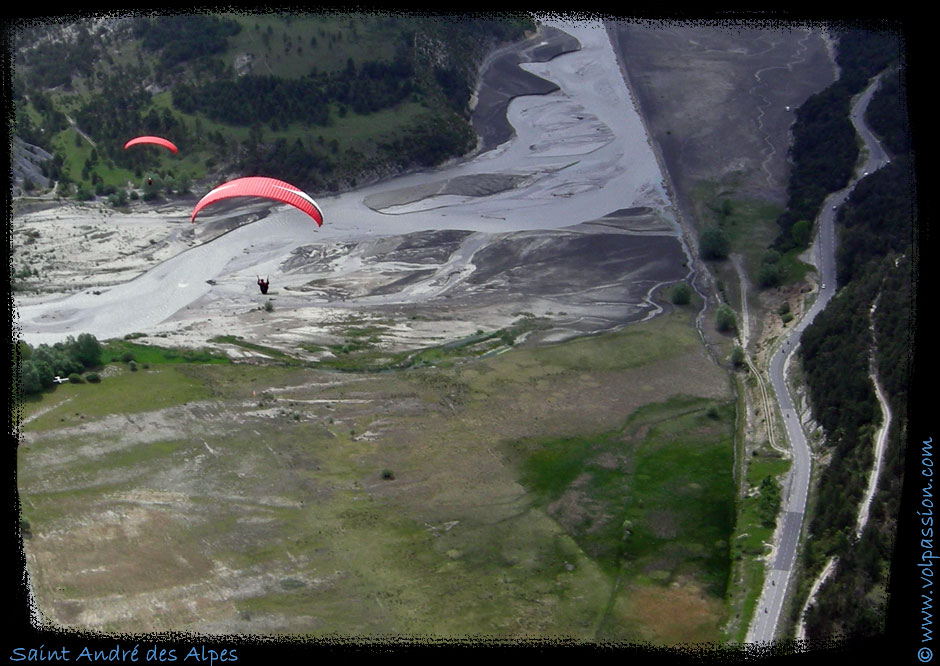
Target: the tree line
(874, 265)
(40, 366)
(844, 403)
(434, 62)
(825, 146)
(180, 38)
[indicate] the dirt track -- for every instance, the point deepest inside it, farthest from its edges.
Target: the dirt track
(290, 551)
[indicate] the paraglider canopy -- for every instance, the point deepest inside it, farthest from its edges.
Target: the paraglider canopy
(156, 140)
(259, 186)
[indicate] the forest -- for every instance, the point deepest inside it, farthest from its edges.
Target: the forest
(177, 79)
(825, 149)
(870, 317)
(269, 93)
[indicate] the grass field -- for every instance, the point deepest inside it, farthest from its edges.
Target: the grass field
(490, 497)
(751, 226)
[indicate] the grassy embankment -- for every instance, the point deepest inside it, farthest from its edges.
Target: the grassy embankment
(750, 225)
(580, 489)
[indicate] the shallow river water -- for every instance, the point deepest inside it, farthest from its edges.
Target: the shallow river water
(579, 154)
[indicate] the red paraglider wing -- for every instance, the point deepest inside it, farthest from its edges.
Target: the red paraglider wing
(258, 186)
(159, 141)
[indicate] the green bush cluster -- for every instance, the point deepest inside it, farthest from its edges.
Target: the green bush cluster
(40, 366)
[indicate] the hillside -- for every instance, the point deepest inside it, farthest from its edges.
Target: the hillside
(542, 436)
(326, 101)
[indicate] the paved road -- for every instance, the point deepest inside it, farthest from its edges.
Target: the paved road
(796, 487)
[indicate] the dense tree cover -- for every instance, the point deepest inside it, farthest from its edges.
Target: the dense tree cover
(894, 323)
(768, 276)
(825, 148)
(455, 67)
(252, 99)
(887, 114)
(51, 120)
(824, 151)
(834, 353)
(874, 265)
(40, 366)
(430, 139)
(53, 61)
(445, 65)
(845, 603)
(124, 89)
(863, 563)
(863, 53)
(432, 61)
(714, 243)
(180, 38)
(876, 219)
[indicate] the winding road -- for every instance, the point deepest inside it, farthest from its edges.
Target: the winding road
(764, 625)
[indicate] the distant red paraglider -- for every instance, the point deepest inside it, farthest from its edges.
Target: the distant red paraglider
(155, 140)
(259, 186)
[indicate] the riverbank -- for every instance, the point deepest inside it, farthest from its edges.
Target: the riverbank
(556, 191)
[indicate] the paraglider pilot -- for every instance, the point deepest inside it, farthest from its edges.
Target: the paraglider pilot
(263, 285)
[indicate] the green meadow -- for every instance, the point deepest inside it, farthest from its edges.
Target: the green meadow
(583, 489)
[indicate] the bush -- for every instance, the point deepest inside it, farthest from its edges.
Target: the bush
(771, 256)
(29, 378)
(725, 318)
(802, 233)
(388, 474)
(768, 276)
(86, 350)
(93, 378)
(715, 244)
(118, 198)
(768, 502)
(76, 378)
(681, 294)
